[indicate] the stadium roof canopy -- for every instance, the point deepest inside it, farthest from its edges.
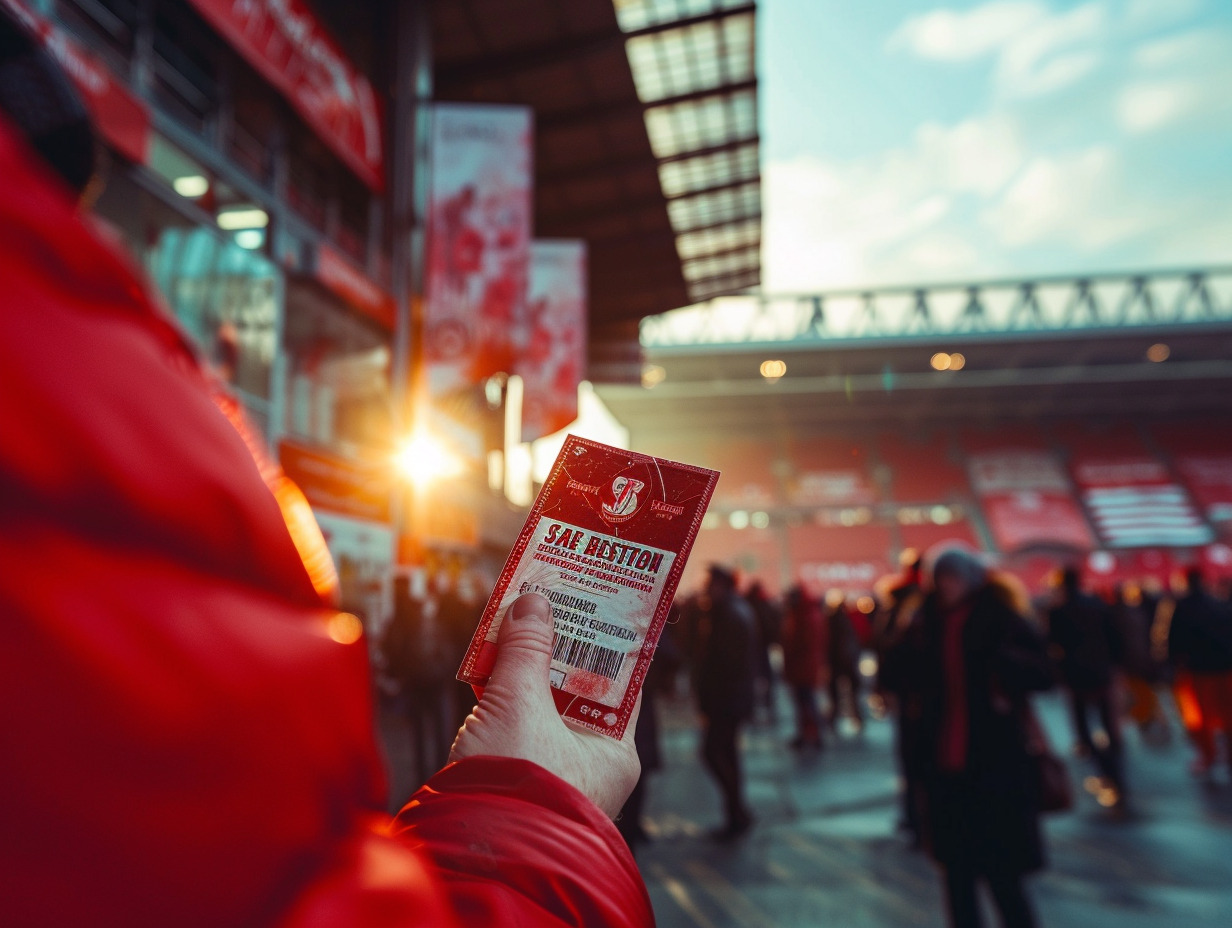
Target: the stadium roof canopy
(1116, 346)
(646, 143)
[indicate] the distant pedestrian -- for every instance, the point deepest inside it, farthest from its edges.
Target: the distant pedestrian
(769, 621)
(1200, 647)
(724, 681)
(843, 653)
(804, 643)
(1141, 671)
(1086, 646)
(965, 670)
(660, 678)
(900, 611)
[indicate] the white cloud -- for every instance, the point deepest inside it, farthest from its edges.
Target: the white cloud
(949, 35)
(1149, 105)
(1182, 50)
(887, 217)
(1178, 78)
(1150, 13)
(1071, 200)
(1037, 51)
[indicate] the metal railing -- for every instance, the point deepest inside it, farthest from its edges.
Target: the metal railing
(1079, 305)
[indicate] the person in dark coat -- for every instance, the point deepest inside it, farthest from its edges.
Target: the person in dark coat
(769, 627)
(901, 611)
(843, 653)
(659, 679)
(965, 670)
(725, 690)
(1083, 637)
(803, 657)
(1200, 645)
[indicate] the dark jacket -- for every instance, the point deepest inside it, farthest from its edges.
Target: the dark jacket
(1200, 636)
(843, 646)
(727, 663)
(987, 817)
(1083, 630)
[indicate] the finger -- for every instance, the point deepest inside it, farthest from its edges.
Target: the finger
(524, 649)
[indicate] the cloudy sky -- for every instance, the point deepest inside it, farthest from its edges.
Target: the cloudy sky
(909, 141)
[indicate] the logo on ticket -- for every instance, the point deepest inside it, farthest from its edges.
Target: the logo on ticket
(624, 499)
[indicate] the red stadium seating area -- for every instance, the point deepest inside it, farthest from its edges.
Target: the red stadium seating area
(1126, 500)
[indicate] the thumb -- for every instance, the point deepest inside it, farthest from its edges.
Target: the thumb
(524, 651)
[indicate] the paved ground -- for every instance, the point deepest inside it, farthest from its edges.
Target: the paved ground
(825, 853)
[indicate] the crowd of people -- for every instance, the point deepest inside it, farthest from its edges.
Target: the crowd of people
(953, 652)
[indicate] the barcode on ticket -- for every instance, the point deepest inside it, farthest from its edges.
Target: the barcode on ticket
(588, 656)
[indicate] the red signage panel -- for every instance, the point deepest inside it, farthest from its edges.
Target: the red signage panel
(332, 483)
(1135, 502)
(289, 47)
(121, 118)
(345, 279)
(1027, 499)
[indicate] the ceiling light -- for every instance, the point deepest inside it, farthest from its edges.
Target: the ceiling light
(250, 238)
(248, 217)
(653, 375)
(191, 186)
(774, 369)
(940, 361)
(957, 361)
(1158, 352)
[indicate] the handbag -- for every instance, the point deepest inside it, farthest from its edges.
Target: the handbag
(1053, 786)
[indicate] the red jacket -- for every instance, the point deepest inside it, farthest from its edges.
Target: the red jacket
(804, 640)
(182, 740)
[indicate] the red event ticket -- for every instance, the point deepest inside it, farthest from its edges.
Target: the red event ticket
(605, 542)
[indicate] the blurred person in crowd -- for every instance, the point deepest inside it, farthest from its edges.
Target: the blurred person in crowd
(965, 670)
(1200, 647)
(1133, 629)
(416, 660)
(458, 609)
(660, 679)
(769, 619)
(726, 668)
(1086, 647)
(843, 660)
(190, 736)
(899, 612)
(804, 641)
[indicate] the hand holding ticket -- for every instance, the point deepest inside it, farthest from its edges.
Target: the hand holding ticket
(605, 544)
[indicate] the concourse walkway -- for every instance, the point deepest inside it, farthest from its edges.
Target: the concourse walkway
(825, 852)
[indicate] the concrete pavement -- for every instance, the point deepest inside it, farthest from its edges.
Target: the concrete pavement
(824, 851)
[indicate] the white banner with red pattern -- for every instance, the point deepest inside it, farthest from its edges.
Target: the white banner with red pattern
(479, 227)
(553, 357)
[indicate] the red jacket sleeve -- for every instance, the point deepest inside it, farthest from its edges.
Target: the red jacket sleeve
(516, 845)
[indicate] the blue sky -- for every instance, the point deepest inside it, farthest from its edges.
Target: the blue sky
(910, 141)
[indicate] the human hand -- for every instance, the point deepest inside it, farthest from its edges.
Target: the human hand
(517, 718)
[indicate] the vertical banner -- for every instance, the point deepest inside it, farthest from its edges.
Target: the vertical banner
(553, 359)
(479, 226)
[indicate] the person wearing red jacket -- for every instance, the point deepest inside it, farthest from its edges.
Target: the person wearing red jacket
(187, 736)
(804, 640)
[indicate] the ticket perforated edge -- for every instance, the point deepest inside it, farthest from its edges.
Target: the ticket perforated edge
(606, 542)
